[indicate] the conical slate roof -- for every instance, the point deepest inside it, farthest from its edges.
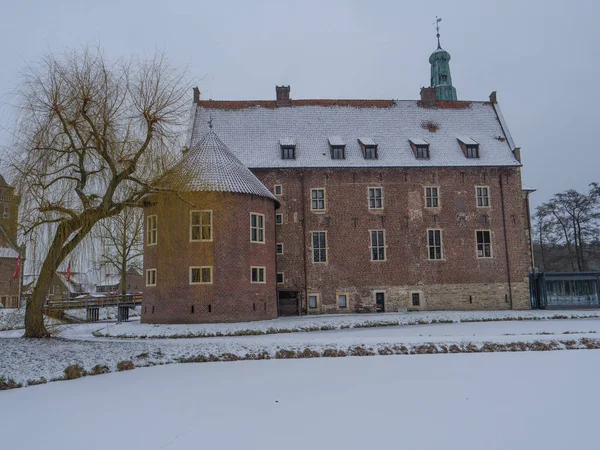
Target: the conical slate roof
(210, 166)
(3, 182)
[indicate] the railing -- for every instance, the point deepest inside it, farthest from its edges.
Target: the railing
(94, 302)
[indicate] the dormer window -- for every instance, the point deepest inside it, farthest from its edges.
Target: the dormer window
(420, 148)
(337, 147)
(288, 148)
(469, 147)
(368, 147)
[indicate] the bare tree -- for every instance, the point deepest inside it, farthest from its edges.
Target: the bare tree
(122, 242)
(94, 137)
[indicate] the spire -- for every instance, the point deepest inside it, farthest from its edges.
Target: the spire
(441, 79)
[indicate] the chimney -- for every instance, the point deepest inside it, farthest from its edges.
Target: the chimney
(493, 97)
(196, 95)
(283, 96)
(428, 96)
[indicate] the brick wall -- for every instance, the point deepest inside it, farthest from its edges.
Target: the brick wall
(460, 280)
(231, 297)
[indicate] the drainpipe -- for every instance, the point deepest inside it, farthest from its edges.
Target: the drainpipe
(510, 296)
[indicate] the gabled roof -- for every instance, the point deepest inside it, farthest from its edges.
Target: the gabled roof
(210, 166)
(3, 182)
(253, 129)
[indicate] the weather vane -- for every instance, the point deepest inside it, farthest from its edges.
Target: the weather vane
(437, 28)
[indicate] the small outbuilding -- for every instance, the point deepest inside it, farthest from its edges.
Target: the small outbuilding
(209, 242)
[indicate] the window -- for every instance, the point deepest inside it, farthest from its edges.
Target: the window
(152, 230)
(279, 277)
(200, 225)
(258, 274)
(6, 214)
(472, 151)
(201, 275)
(338, 152)
(444, 77)
(313, 301)
(484, 244)
(277, 189)
(422, 151)
(288, 152)
(434, 244)
(319, 239)
(317, 199)
(377, 245)
(342, 301)
(368, 147)
(483, 196)
(371, 152)
(416, 299)
(257, 228)
(278, 219)
(432, 199)
(151, 277)
(375, 198)
(279, 248)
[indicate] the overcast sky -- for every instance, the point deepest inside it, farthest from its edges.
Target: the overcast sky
(541, 57)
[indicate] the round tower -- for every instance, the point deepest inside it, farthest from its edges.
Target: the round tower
(209, 251)
(441, 79)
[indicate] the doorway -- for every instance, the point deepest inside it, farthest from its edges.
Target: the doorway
(380, 302)
(289, 303)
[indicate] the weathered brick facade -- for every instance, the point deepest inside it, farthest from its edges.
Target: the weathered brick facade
(9, 213)
(460, 280)
(231, 297)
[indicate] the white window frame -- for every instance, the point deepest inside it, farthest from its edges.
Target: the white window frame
(276, 245)
(483, 244)
(326, 248)
(483, 197)
(201, 273)
(258, 228)
(148, 277)
(151, 232)
(429, 246)
(337, 298)
(279, 219)
(430, 199)
(258, 269)
(372, 246)
(374, 198)
(324, 200)
(201, 225)
(316, 305)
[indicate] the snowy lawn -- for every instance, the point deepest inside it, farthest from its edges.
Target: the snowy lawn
(24, 360)
(135, 329)
(491, 401)
(14, 319)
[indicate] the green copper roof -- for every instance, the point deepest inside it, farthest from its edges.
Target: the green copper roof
(441, 79)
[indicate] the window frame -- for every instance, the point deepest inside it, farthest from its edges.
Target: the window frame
(432, 197)
(201, 225)
(324, 199)
(326, 248)
(374, 199)
(472, 151)
(367, 149)
(430, 246)
(285, 151)
(151, 232)
(317, 304)
(279, 219)
(337, 298)
(337, 150)
(276, 188)
(486, 197)
(277, 248)
(148, 272)
(378, 247)
(282, 278)
(422, 152)
(257, 227)
(201, 273)
(6, 212)
(477, 244)
(259, 269)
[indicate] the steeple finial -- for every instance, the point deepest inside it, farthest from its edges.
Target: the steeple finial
(437, 28)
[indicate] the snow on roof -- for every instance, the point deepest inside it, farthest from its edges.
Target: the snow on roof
(287, 142)
(110, 280)
(210, 166)
(367, 141)
(467, 140)
(336, 141)
(6, 252)
(528, 188)
(252, 131)
(417, 141)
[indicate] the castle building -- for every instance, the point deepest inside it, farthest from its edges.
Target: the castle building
(9, 251)
(384, 205)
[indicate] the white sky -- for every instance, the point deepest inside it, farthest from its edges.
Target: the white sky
(540, 56)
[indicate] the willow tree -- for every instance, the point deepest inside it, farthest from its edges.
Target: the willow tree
(93, 138)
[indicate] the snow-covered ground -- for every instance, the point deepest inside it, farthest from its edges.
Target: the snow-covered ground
(497, 401)
(25, 360)
(327, 322)
(14, 319)
(108, 313)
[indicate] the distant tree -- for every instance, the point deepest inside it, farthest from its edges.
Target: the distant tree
(122, 242)
(94, 137)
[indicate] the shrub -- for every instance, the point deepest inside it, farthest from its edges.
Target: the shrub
(99, 369)
(308, 353)
(8, 383)
(286, 354)
(333, 353)
(74, 371)
(361, 351)
(36, 382)
(125, 365)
